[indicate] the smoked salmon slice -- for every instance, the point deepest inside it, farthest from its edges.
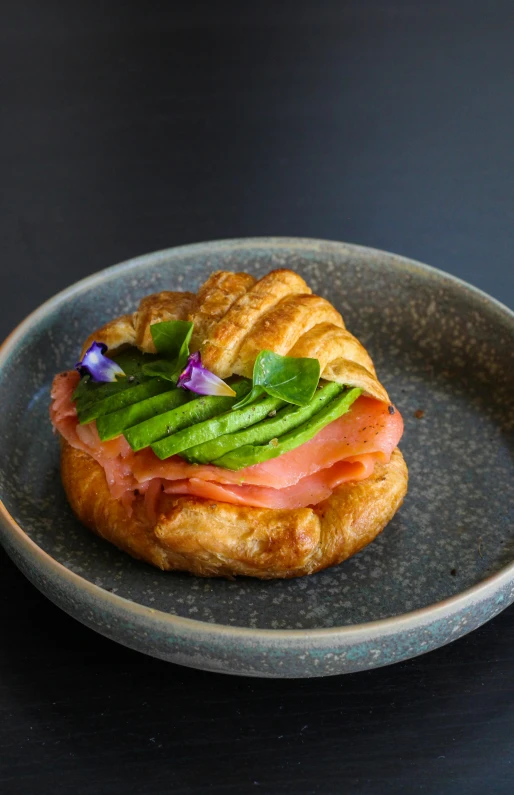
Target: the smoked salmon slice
(308, 490)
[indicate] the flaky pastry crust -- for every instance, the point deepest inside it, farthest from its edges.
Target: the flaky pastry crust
(235, 316)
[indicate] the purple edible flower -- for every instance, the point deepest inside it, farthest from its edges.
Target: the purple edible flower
(198, 379)
(95, 364)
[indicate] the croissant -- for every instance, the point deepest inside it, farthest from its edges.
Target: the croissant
(235, 317)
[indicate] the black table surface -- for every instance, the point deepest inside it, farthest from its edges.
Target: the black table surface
(129, 127)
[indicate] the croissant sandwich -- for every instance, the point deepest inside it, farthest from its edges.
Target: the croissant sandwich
(238, 430)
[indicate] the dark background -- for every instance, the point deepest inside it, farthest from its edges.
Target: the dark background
(129, 127)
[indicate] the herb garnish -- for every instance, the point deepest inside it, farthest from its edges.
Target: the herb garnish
(290, 379)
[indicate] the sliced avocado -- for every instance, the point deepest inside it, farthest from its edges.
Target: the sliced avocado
(285, 420)
(217, 426)
(89, 392)
(120, 399)
(111, 425)
(169, 422)
(251, 454)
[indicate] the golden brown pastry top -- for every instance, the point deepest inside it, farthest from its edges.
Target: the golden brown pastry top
(236, 316)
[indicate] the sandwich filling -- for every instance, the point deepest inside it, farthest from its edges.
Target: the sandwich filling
(253, 444)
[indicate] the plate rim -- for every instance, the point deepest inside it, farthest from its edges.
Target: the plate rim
(384, 626)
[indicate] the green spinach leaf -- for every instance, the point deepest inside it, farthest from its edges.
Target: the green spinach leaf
(284, 377)
(171, 338)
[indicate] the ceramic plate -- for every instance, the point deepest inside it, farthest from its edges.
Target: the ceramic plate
(445, 353)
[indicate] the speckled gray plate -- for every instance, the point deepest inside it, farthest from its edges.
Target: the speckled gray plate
(441, 568)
